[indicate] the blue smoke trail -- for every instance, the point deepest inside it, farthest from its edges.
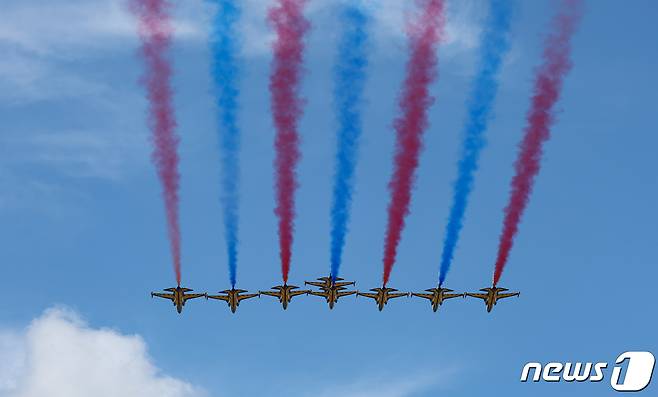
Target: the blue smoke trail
(495, 43)
(350, 75)
(225, 73)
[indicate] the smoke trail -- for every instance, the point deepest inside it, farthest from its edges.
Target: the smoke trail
(350, 74)
(495, 43)
(290, 25)
(225, 73)
(540, 117)
(155, 31)
(415, 99)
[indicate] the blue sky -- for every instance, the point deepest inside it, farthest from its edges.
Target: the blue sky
(84, 230)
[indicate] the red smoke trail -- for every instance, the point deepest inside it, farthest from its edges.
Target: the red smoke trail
(548, 84)
(155, 31)
(288, 20)
(424, 35)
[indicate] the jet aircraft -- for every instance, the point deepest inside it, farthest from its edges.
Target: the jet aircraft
(326, 282)
(177, 295)
(382, 295)
(232, 297)
(437, 296)
(332, 294)
(285, 293)
(492, 295)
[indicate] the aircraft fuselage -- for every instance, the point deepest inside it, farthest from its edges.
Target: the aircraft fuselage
(233, 301)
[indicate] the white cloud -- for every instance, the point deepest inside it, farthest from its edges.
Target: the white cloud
(77, 153)
(461, 28)
(390, 386)
(13, 360)
(61, 356)
(41, 170)
(41, 39)
(26, 78)
(40, 196)
(389, 22)
(58, 27)
(66, 28)
(54, 53)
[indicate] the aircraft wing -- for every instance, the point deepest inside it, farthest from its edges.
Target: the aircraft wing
(450, 296)
(476, 295)
(224, 298)
(423, 295)
(318, 293)
(192, 296)
(302, 292)
(315, 283)
(276, 294)
(502, 296)
(246, 296)
(367, 294)
(343, 283)
(345, 293)
(397, 295)
(163, 295)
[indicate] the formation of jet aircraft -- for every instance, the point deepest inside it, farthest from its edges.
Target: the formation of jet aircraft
(332, 289)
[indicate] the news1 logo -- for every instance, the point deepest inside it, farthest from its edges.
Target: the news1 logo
(632, 372)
